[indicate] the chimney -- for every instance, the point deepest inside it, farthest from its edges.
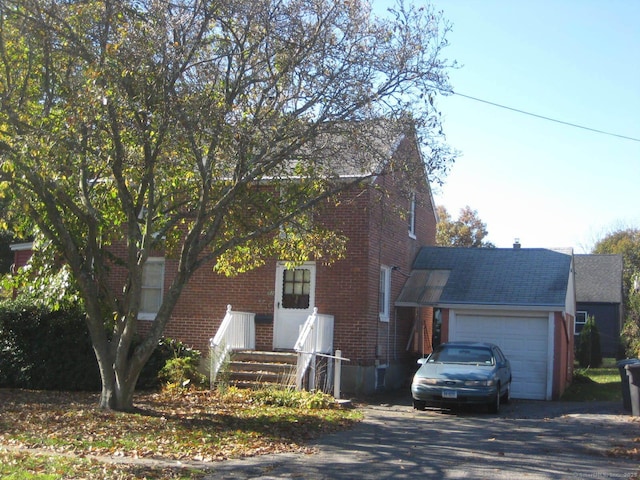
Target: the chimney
(516, 243)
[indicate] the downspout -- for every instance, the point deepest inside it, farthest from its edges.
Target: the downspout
(391, 316)
(377, 315)
(395, 333)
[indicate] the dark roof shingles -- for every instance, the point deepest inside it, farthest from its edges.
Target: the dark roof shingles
(500, 276)
(598, 278)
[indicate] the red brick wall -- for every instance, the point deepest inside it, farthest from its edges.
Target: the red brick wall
(391, 245)
(563, 354)
(375, 222)
(342, 288)
(20, 258)
(203, 303)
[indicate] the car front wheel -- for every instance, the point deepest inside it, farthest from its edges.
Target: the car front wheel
(494, 405)
(506, 398)
(419, 405)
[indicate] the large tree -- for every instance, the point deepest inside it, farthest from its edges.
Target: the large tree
(467, 231)
(199, 128)
(625, 242)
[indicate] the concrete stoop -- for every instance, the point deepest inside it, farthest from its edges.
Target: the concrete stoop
(257, 369)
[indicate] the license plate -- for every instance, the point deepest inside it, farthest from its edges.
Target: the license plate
(449, 394)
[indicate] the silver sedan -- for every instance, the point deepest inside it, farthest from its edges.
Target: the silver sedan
(462, 373)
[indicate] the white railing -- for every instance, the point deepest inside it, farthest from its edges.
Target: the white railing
(236, 332)
(316, 337)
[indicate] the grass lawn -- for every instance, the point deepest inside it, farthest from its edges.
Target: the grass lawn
(55, 435)
(593, 384)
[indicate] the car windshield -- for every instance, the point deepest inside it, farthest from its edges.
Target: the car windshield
(462, 354)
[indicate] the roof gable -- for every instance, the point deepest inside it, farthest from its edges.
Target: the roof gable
(351, 149)
(495, 276)
(598, 278)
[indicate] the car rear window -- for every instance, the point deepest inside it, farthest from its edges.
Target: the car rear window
(472, 355)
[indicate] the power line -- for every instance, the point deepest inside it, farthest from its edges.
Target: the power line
(545, 118)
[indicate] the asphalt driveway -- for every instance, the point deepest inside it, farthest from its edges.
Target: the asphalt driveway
(531, 440)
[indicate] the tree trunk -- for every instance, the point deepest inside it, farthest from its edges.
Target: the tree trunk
(118, 381)
(117, 394)
(120, 365)
(117, 398)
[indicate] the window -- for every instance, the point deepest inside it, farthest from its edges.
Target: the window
(152, 288)
(464, 355)
(499, 356)
(296, 288)
(384, 294)
(581, 319)
(412, 215)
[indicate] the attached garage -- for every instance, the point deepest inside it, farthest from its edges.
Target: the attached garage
(523, 339)
(520, 299)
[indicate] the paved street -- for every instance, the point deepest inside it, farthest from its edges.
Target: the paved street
(531, 440)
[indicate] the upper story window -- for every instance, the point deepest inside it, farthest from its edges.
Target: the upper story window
(581, 320)
(384, 295)
(152, 288)
(412, 215)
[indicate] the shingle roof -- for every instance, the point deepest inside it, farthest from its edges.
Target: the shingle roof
(352, 149)
(598, 278)
(495, 276)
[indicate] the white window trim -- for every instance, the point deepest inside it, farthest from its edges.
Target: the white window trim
(412, 215)
(576, 323)
(385, 291)
(152, 315)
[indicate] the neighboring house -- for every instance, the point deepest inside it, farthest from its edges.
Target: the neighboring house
(599, 294)
(21, 254)
(520, 299)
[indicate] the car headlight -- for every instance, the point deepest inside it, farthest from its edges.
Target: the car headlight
(479, 383)
(425, 381)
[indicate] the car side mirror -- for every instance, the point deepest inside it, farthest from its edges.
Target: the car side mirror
(422, 361)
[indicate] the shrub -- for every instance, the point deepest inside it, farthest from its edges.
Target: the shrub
(149, 377)
(279, 397)
(589, 353)
(181, 370)
(45, 349)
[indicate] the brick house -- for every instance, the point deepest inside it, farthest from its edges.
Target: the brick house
(386, 228)
(386, 225)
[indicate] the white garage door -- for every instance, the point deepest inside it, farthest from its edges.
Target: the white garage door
(524, 340)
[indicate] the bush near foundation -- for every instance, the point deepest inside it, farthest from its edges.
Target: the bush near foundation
(47, 349)
(589, 353)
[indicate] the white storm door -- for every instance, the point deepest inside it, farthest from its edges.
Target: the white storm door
(294, 302)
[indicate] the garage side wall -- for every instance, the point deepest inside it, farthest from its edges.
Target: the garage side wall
(563, 353)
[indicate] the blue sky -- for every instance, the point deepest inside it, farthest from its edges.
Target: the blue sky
(550, 185)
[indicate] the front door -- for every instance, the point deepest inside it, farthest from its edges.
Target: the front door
(295, 299)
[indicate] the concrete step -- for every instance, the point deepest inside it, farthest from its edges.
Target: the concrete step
(265, 357)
